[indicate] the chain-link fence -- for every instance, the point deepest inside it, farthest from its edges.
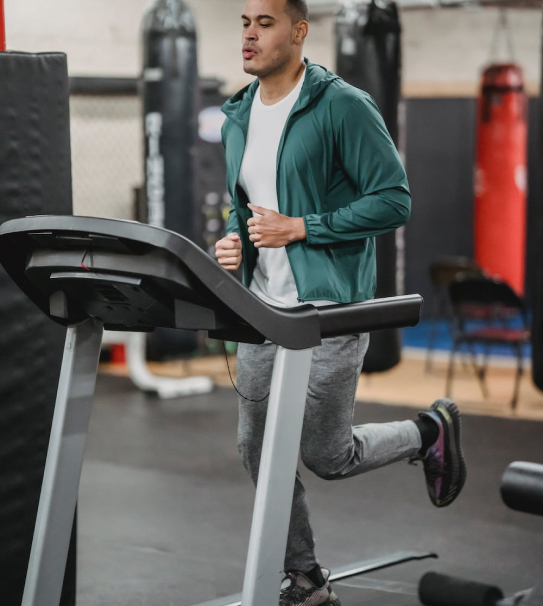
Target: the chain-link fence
(107, 154)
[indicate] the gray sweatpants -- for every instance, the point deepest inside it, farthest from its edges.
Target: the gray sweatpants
(330, 447)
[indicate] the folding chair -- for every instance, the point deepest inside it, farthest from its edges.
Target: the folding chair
(442, 272)
(495, 305)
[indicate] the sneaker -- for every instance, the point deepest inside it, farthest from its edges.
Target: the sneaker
(444, 464)
(301, 592)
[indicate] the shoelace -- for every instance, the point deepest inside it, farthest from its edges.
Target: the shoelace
(434, 469)
(293, 594)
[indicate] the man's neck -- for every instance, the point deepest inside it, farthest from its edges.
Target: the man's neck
(277, 86)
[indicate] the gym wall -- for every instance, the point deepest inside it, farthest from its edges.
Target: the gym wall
(444, 49)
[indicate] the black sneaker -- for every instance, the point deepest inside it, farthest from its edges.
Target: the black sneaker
(444, 464)
(302, 592)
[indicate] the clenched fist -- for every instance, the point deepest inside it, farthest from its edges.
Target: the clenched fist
(228, 251)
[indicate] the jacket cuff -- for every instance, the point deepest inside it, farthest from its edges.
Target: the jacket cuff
(312, 224)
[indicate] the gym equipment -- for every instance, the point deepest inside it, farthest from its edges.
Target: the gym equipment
(169, 93)
(35, 178)
(437, 589)
(368, 51)
(522, 487)
(501, 174)
(93, 274)
(522, 490)
(169, 89)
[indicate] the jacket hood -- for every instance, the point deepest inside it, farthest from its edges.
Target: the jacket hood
(316, 81)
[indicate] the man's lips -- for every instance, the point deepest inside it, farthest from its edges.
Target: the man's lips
(248, 53)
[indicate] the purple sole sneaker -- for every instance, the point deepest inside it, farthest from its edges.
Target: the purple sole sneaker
(444, 463)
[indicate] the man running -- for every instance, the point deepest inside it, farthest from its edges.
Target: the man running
(314, 176)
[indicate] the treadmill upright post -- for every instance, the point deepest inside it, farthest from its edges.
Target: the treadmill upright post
(60, 486)
(277, 474)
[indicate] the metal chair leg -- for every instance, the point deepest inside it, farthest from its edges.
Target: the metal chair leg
(450, 371)
(518, 376)
(432, 333)
(480, 373)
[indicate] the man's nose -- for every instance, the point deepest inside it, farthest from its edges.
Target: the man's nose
(250, 34)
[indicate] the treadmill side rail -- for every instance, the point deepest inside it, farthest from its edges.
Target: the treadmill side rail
(276, 477)
(60, 486)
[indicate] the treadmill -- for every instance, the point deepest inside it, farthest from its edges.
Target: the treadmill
(90, 275)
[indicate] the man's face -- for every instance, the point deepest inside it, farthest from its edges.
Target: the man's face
(268, 37)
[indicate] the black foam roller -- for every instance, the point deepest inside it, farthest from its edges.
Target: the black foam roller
(437, 589)
(35, 178)
(522, 487)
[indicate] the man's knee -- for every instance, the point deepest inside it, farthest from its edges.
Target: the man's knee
(321, 464)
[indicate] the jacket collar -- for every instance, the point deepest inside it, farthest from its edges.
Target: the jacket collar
(316, 80)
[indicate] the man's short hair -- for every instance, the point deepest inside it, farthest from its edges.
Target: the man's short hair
(298, 11)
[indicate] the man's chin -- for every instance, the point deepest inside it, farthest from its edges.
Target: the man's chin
(250, 69)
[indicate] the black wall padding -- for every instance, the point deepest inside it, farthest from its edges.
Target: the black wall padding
(368, 40)
(35, 178)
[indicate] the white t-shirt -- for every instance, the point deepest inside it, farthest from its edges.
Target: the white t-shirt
(273, 280)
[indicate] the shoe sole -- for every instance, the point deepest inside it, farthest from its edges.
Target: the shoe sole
(458, 462)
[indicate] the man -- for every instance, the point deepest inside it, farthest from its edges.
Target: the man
(314, 176)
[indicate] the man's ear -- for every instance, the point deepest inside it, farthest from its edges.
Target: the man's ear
(300, 31)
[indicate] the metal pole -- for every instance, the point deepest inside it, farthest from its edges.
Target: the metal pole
(60, 486)
(2, 27)
(276, 477)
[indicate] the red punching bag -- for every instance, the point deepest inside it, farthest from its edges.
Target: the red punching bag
(501, 174)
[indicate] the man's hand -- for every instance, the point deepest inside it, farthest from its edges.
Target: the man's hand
(273, 230)
(228, 252)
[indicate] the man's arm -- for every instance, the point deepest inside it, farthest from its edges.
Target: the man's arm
(370, 159)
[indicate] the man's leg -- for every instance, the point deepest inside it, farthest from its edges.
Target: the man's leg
(331, 447)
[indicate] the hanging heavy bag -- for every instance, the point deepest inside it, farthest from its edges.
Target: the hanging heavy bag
(501, 171)
(169, 91)
(368, 47)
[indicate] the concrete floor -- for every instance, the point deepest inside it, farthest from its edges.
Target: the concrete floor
(165, 507)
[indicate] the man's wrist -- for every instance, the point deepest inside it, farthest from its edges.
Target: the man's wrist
(299, 232)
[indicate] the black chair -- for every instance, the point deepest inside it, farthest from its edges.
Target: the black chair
(495, 305)
(442, 272)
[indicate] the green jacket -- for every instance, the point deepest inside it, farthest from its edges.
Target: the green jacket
(338, 168)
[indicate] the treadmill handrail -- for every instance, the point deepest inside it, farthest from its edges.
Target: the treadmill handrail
(297, 328)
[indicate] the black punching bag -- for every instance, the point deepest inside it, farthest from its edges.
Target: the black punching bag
(169, 91)
(537, 325)
(368, 45)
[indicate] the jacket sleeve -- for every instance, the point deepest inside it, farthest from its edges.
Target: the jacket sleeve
(370, 160)
(232, 225)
